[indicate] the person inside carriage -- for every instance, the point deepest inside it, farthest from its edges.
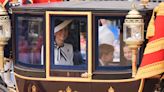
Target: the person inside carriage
(63, 52)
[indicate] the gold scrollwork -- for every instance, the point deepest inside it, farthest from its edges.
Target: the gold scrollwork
(68, 89)
(110, 89)
(84, 75)
(34, 88)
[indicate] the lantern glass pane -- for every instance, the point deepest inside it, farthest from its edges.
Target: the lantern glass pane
(30, 40)
(133, 33)
(136, 32)
(127, 32)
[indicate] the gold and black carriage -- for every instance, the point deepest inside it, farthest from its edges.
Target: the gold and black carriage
(33, 46)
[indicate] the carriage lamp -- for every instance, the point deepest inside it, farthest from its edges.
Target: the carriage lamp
(5, 33)
(133, 34)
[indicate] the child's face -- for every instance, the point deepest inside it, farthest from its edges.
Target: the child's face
(107, 58)
(127, 53)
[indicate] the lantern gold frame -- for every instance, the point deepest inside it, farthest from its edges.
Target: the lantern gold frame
(132, 23)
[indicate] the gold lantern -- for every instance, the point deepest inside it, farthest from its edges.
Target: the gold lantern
(5, 34)
(133, 34)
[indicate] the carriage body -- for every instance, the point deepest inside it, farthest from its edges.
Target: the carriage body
(33, 32)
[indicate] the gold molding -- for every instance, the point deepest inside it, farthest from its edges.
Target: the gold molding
(1, 58)
(34, 88)
(47, 45)
(16, 86)
(111, 89)
(89, 21)
(90, 45)
(73, 79)
(141, 85)
(68, 89)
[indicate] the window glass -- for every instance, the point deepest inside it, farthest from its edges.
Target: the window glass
(68, 45)
(83, 39)
(112, 51)
(30, 40)
(69, 41)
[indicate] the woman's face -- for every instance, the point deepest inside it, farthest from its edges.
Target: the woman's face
(61, 36)
(127, 53)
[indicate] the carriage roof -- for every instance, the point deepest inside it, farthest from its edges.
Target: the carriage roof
(85, 6)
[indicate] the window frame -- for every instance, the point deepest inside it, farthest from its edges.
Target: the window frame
(18, 63)
(100, 72)
(49, 60)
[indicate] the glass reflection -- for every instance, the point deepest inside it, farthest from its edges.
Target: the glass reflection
(106, 53)
(30, 39)
(69, 41)
(109, 42)
(83, 44)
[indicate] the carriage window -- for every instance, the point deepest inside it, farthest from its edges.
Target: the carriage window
(68, 44)
(69, 41)
(30, 40)
(112, 51)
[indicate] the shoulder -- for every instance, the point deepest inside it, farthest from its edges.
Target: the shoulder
(67, 45)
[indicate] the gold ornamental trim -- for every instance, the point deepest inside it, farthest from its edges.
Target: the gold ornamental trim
(89, 21)
(154, 46)
(150, 70)
(34, 88)
(47, 46)
(141, 87)
(68, 89)
(72, 79)
(111, 89)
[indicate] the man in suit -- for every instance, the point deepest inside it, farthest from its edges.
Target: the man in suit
(63, 52)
